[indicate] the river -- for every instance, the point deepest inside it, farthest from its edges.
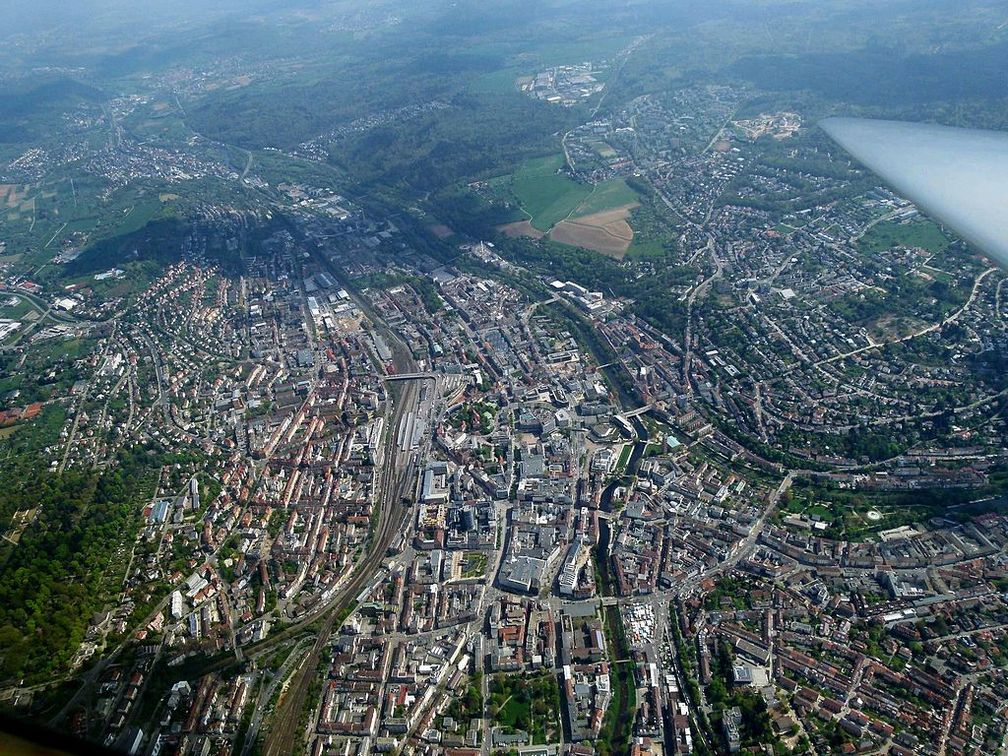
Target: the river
(605, 504)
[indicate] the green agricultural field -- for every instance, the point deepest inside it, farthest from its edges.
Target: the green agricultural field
(545, 195)
(607, 196)
(646, 250)
(921, 233)
(496, 82)
(61, 209)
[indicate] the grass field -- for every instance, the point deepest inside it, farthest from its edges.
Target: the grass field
(921, 233)
(17, 310)
(599, 222)
(651, 249)
(498, 81)
(520, 228)
(547, 196)
(572, 213)
(607, 195)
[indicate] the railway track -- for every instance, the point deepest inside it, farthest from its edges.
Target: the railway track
(395, 478)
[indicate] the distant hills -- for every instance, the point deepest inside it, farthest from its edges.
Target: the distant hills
(27, 105)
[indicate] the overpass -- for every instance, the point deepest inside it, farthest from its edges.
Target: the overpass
(639, 411)
(410, 376)
(623, 418)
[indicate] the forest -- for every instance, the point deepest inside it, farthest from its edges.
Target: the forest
(69, 559)
(884, 75)
(27, 108)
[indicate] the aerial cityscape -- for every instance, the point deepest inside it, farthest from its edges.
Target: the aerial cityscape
(531, 377)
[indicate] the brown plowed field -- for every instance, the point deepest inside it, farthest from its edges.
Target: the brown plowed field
(440, 230)
(606, 232)
(520, 228)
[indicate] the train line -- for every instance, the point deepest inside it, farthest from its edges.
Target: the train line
(395, 478)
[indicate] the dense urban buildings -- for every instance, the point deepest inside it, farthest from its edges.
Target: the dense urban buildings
(542, 381)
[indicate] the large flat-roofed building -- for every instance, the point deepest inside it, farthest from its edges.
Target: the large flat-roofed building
(523, 574)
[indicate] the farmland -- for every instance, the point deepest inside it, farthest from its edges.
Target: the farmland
(569, 212)
(600, 221)
(607, 232)
(545, 195)
(606, 196)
